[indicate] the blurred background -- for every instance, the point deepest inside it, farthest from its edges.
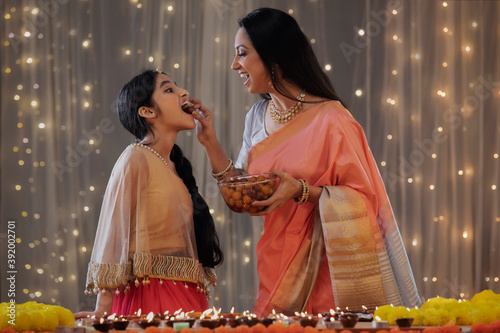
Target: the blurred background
(421, 77)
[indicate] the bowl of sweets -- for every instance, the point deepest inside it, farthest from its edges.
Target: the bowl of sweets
(241, 191)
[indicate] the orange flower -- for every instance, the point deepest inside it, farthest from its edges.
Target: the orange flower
(450, 328)
(167, 329)
(201, 330)
(152, 329)
(431, 330)
(258, 328)
(222, 329)
(480, 328)
(295, 328)
(346, 331)
(310, 329)
(276, 328)
(7, 330)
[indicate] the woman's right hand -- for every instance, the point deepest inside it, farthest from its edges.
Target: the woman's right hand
(204, 122)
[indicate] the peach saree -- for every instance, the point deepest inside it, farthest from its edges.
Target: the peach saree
(347, 250)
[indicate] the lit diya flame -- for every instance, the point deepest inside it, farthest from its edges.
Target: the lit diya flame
(364, 307)
(150, 317)
(377, 318)
(206, 313)
(232, 310)
(216, 313)
(139, 313)
(112, 317)
(101, 320)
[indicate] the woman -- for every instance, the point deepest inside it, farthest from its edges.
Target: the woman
(156, 244)
(330, 239)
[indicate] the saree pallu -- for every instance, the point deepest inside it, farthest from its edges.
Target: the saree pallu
(347, 250)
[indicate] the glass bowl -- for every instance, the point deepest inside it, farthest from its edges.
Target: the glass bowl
(241, 191)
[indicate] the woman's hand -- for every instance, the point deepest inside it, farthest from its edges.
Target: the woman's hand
(204, 122)
(289, 188)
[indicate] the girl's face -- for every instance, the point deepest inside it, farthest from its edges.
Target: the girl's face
(249, 65)
(167, 100)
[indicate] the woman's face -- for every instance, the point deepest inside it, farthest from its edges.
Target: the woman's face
(167, 100)
(249, 65)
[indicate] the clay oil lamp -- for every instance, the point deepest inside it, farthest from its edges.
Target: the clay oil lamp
(248, 319)
(404, 322)
(208, 320)
(149, 321)
(307, 320)
(134, 318)
(102, 325)
(119, 323)
(180, 320)
(349, 320)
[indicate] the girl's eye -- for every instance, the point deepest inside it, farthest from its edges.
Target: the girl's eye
(169, 90)
(241, 54)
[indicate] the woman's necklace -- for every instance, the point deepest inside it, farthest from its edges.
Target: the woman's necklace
(159, 156)
(282, 117)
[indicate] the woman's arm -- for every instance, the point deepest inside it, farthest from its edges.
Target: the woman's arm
(206, 135)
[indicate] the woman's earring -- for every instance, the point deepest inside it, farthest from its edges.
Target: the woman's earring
(271, 83)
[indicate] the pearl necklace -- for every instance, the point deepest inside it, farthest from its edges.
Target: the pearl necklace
(283, 117)
(156, 153)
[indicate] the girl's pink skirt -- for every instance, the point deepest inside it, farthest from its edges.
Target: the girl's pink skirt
(158, 298)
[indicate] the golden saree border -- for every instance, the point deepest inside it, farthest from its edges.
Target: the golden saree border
(107, 275)
(293, 293)
(147, 265)
(360, 270)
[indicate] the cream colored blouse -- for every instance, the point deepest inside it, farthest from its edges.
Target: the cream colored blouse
(145, 227)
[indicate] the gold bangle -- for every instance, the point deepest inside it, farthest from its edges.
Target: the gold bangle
(224, 172)
(305, 192)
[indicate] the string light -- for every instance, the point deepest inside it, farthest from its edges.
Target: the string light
(24, 100)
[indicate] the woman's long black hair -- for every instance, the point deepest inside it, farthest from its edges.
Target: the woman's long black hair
(135, 94)
(278, 40)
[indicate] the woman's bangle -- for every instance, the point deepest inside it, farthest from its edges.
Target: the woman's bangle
(305, 192)
(224, 172)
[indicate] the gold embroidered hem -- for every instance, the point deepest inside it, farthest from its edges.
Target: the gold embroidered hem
(360, 270)
(145, 265)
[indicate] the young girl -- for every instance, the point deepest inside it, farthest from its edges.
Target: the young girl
(156, 243)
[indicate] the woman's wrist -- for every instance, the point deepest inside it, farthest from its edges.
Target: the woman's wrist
(304, 193)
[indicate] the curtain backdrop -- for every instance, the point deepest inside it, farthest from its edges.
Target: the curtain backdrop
(421, 77)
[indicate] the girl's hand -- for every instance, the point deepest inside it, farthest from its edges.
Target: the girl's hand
(289, 188)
